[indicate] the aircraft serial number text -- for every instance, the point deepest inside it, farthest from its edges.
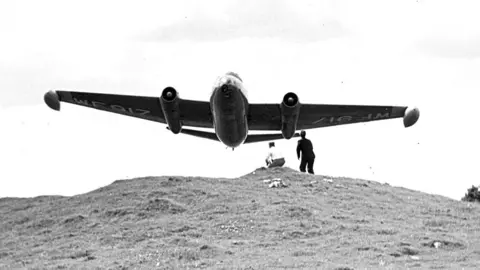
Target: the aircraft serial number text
(347, 118)
(114, 107)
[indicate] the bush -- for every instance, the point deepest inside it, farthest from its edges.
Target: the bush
(472, 195)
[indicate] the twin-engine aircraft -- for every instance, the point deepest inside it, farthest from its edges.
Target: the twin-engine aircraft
(230, 114)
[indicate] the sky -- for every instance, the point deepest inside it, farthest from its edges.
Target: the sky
(421, 53)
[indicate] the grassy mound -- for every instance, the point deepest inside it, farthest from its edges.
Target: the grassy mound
(172, 222)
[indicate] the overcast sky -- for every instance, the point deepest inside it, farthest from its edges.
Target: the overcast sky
(404, 52)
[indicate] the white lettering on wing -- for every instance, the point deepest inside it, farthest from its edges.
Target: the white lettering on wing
(142, 112)
(81, 102)
(348, 118)
(129, 110)
(97, 104)
(380, 115)
(334, 119)
(370, 117)
(345, 118)
(118, 108)
(113, 107)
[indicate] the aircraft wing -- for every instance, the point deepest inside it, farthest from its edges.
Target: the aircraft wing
(269, 116)
(192, 113)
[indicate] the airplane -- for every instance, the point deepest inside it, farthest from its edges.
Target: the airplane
(229, 113)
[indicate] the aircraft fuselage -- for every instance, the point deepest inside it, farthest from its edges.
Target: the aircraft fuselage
(229, 106)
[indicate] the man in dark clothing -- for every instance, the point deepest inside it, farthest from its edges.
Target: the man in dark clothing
(308, 156)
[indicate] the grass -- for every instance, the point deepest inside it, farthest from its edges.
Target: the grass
(175, 222)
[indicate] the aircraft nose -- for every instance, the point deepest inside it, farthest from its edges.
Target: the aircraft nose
(226, 90)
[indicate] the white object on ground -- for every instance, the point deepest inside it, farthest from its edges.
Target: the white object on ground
(276, 182)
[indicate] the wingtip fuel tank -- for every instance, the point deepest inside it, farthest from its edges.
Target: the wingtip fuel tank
(52, 100)
(411, 116)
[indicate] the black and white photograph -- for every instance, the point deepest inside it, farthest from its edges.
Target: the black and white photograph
(270, 134)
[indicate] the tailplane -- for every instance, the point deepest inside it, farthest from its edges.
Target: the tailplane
(251, 138)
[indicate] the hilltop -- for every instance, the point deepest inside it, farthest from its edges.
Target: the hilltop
(172, 222)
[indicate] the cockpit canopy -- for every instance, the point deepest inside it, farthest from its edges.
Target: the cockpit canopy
(234, 75)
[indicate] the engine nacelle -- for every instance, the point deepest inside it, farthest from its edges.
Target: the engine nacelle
(290, 110)
(169, 101)
(411, 116)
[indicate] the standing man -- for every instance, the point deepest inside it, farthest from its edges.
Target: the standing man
(308, 156)
(274, 157)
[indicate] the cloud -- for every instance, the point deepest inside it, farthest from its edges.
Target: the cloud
(251, 19)
(448, 29)
(451, 48)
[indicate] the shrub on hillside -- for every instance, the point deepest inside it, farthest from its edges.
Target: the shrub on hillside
(472, 195)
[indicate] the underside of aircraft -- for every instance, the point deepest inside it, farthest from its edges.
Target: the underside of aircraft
(229, 113)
